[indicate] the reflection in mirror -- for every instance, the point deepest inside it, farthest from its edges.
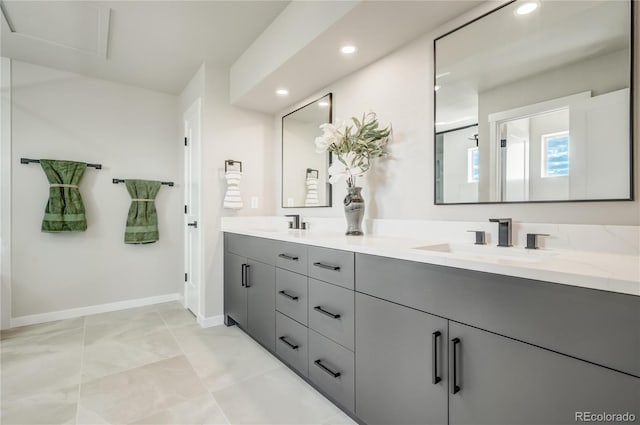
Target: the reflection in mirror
(535, 107)
(304, 172)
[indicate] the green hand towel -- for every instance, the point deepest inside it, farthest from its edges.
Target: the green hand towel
(64, 211)
(142, 222)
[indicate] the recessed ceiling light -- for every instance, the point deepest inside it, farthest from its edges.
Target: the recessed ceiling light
(323, 104)
(436, 88)
(282, 92)
(347, 50)
(526, 8)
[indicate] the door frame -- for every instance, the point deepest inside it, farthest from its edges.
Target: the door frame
(195, 110)
(5, 193)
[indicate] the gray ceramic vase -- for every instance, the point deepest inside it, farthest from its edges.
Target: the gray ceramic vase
(354, 211)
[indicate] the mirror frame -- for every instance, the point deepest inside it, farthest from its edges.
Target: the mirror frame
(632, 120)
(329, 204)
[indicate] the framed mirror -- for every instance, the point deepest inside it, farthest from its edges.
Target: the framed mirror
(533, 103)
(305, 179)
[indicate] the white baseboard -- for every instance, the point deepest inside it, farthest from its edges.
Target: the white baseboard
(72, 313)
(207, 322)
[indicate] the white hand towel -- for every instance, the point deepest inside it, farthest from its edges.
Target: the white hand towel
(232, 199)
(312, 192)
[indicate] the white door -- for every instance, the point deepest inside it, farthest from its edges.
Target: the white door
(514, 155)
(193, 226)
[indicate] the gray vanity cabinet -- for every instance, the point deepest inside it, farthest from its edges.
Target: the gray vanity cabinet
(235, 294)
(425, 344)
(401, 364)
(504, 381)
(261, 303)
(250, 287)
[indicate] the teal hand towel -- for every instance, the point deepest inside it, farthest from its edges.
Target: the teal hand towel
(64, 211)
(142, 221)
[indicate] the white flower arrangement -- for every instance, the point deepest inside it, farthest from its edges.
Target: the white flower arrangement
(354, 146)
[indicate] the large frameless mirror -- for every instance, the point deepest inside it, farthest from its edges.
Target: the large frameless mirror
(533, 104)
(305, 182)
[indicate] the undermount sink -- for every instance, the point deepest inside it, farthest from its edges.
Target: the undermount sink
(490, 252)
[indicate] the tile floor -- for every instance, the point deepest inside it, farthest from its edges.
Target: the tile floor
(149, 365)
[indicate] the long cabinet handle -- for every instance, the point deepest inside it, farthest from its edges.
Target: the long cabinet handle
(291, 345)
(455, 388)
(325, 312)
(288, 257)
(291, 297)
(434, 344)
(327, 266)
(246, 276)
(326, 369)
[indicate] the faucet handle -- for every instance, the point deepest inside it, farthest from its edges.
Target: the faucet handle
(481, 238)
(532, 240)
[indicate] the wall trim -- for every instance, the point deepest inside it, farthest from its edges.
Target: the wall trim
(72, 313)
(208, 322)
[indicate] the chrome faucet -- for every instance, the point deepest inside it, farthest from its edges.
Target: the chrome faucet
(295, 224)
(504, 230)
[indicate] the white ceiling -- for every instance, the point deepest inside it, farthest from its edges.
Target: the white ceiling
(153, 44)
(376, 27)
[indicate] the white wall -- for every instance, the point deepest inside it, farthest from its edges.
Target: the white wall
(399, 88)
(131, 131)
(228, 133)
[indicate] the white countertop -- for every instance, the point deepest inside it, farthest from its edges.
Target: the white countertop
(596, 270)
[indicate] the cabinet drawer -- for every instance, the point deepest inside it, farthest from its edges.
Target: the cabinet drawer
(258, 249)
(291, 295)
(291, 256)
(331, 265)
(292, 343)
(598, 326)
(331, 312)
(331, 367)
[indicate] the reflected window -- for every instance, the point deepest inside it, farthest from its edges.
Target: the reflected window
(555, 154)
(473, 165)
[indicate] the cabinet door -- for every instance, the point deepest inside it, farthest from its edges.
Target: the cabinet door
(395, 364)
(261, 301)
(504, 381)
(235, 294)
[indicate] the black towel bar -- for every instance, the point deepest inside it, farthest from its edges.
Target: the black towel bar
(116, 181)
(37, 161)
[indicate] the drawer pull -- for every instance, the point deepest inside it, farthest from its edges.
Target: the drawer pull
(455, 342)
(246, 276)
(434, 344)
(292, 346)
(326, 369)
(288, 257)
(326, 313)
(327, 266)
(291, 297)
